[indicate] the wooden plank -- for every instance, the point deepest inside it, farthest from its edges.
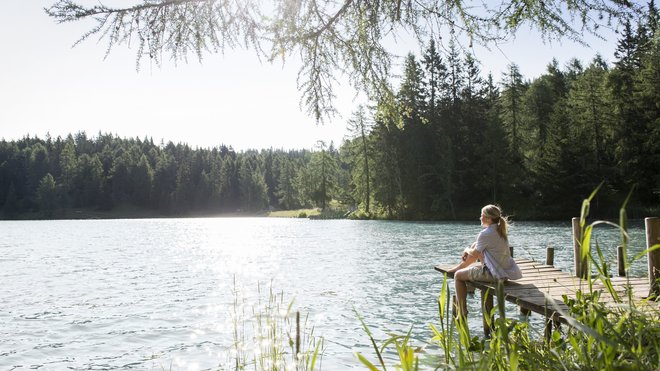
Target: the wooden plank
(559, 289)
(566, 280)
(535, 265)
(537, 268)
(541, 271)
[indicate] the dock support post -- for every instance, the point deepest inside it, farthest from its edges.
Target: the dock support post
(550, 325)
(621, 261)
(487, 308)
(653, 238)
(550, 256)
(548, 328)
(580, 264)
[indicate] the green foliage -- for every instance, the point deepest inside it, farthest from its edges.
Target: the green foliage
(253, 189)
(320, 179)
(46, 195)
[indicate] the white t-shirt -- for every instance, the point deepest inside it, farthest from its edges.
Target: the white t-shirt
(497, 256)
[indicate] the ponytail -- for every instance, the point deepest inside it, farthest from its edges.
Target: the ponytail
(503, 228)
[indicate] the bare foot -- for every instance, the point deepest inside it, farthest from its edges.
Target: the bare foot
(453, 269)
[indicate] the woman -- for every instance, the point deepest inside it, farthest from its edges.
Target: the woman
(492, 249)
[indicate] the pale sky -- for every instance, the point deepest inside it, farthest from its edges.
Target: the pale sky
(46, 86)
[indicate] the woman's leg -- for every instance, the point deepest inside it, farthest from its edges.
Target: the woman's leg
(460, 279)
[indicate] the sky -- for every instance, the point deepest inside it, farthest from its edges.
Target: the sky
(48, 86)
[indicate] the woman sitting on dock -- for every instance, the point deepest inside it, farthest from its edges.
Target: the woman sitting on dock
(492, 249)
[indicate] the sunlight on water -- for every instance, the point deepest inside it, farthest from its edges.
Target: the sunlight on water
(167, 293)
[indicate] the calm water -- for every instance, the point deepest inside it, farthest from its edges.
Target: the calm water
(158, 293)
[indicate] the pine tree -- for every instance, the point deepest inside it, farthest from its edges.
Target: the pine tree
(253, 188)
(322, 172)
(416, 141)
(39, 166)
(165, 182)
(387, 185)
(46, 195)
(436, 78)
(68, 163)
(88, 181)
(589, 106)
(143, 178)
(11, 205)
(511, 102)
(184, 194)
(359, 128)
(286, 192)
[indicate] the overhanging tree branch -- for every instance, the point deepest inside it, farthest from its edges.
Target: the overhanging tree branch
(331, 36)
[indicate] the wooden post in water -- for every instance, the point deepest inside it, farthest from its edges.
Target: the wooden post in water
(653, 238)
(580, 264)
(550, 256)
(621, 261)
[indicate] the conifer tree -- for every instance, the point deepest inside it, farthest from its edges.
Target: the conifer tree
(589, 106)
(285, 190)
(359, 128)
(46, 195)
(88, 181)
(512, 94)
(322, 170)
(68, 163)
(143, 177)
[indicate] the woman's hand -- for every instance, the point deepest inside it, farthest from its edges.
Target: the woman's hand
(465, 256)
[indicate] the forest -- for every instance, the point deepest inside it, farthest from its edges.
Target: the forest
(451, 140)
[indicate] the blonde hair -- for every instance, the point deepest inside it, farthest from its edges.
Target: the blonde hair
(495, 214)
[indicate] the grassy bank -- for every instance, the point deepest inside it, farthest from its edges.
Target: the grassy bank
(299, 213)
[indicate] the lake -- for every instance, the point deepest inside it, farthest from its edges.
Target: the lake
(159, 293)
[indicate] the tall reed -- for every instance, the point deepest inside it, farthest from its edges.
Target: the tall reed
(272, 337)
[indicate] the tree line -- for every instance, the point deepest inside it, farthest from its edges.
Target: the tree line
(105, 172)
(449, 141)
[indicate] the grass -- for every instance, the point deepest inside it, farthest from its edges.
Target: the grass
(299, 213)
(334, 210)
(269, 335)
(600, 336)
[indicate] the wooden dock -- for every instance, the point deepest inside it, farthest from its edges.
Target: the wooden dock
(542, 287)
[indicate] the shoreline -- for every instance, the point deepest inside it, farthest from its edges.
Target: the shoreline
(312, 214)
